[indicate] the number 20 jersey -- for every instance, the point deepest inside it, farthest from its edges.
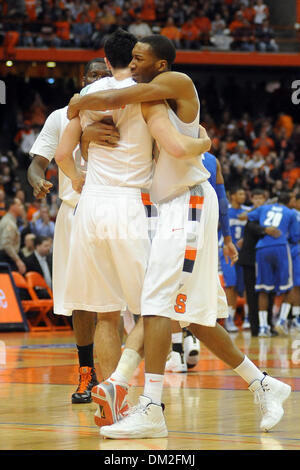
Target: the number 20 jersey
(279, 216)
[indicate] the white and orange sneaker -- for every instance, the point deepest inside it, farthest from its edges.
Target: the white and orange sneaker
(110, 397)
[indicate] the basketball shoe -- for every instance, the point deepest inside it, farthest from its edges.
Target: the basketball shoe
(246, 324)
(230, 326)
(191, 347)
(176, 362)
(87, 380)
(264, 331)
(146, 420)
(296, 323)
(270, 394)
(110, 397)
(282, 327)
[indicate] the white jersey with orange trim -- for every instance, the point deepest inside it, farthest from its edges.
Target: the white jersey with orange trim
(129, 164)
(46, 144)
(173, 176)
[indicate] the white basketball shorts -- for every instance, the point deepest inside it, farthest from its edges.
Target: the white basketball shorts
(182, 280)
(61, 247)
(109, 250)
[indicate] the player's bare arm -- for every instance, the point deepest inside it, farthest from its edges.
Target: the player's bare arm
(64, 154)
(168, 137)
(167, 85)
(36, 176)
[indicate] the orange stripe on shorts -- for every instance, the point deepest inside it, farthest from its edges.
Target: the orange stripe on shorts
(196, 201)
(190, 253)
(146, 199)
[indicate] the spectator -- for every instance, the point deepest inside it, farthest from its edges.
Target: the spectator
(203, 24)
(82, 32)
(28, 247)
(10, 236)
(24, 140)
(139, 28)
(172, 32)
(40, 260)
(190, 35)
(43, 225)
(7, 179)
(263, 143)
(257, 161)
(148, 11)
(63, 28)
(265, 38)
(240, 156)
(46, 36)
(237, 23)
(243, 37)
(248, 11)
(261, 12)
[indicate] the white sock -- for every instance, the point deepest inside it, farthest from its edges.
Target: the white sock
(128, 362)
(284, 310)
(246, 310)
(296, 311)
(153, 387)
(231, 311)
(248, 371)
(263, 318)
(177, 338)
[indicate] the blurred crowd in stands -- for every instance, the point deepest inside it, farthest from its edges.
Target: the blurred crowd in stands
(221, 24)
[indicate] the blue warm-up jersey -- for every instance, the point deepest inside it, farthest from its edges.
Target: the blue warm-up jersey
(279, 216)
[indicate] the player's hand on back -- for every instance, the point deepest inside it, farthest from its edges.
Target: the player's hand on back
(102, 133)
(273, 232)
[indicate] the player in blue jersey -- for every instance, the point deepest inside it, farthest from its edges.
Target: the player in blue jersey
(273, 257)
(185, 352)
(233, 274)
(293, 296)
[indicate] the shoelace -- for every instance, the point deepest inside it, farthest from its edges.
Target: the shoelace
(135, 409)
(84, 379)
(260, 397)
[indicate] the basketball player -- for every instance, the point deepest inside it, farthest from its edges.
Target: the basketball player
(43, 151)
(177, 265)
(233, 275)
(292, 298)
(110, 243)
(273, 257)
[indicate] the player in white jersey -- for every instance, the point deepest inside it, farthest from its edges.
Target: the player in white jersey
(110, 244)
(43, 151)
(196, 214)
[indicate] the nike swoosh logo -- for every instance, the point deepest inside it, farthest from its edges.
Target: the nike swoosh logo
(154, 381)
(174, 229)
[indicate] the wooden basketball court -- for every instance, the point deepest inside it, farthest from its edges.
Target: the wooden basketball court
(207, 408)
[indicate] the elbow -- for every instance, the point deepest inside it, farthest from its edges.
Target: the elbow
(59, 157)
(177, 150)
